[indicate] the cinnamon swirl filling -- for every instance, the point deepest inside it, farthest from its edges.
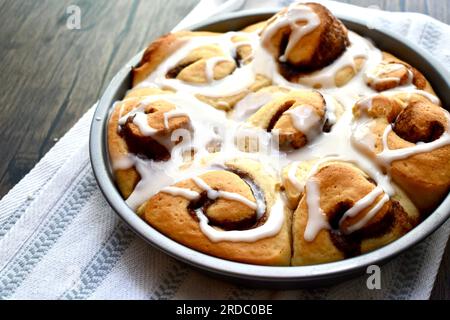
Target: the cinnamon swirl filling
(296, 117)
(147, 131)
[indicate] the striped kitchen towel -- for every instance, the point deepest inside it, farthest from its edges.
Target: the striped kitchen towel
(59, 239)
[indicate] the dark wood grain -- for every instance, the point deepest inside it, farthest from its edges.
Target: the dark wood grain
(51, 75)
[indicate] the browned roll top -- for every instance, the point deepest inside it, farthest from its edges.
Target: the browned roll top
(222, 195)
(341, 185)
(177, 216)
(150, 146)
(191, 69)
(313, 51)
(392, 73)
(279, 116)
(420, 122)
(225, 213)
(425, 176)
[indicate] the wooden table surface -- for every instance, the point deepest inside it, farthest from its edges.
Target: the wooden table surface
(51, 75)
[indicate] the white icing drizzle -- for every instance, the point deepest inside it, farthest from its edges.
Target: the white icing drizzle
(316, 217)
(375, 75)
(123, 162)
(387, 156)
(362, 204)
(306, 120)
(359, 206)
(181, 192)
(269, 229)
(211, 64)
(317, 220)
(368, 216)
(411, 90)
(410, 79)
(292, 177)
(149, 172)
(363, 135)
(295, 14)
(173, 114)
(326, 77)
(214, 194)
(231, 85)
(252, 103)
(330, 105)
(141, 121)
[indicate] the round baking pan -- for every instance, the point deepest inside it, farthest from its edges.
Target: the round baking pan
(266, 276)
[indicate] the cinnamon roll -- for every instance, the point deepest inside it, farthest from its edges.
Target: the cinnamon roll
(203, 62)
(296, 117)
(410, 140)
(235, 213)
(393, 72)
(142, 125)
(291, 142)
(305, 38)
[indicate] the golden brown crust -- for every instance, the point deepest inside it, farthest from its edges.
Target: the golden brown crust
(425, 177)
(419, 79)
(333, 40)
(389, 79)
(341, 186)
(316, 49)
(191, 69)
(127, 138)
(127, 181)
(223, 213)
(153, 56)
(227, 103)
(171, 215)
(275, 116)
(420, 122)
(150, 146)
(159, 50)
(313, 51)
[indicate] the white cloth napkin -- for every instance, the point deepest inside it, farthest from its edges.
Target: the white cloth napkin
(59, 239)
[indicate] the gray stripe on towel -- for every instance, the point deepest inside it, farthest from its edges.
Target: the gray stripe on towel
(102, 263)
(12, 276)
